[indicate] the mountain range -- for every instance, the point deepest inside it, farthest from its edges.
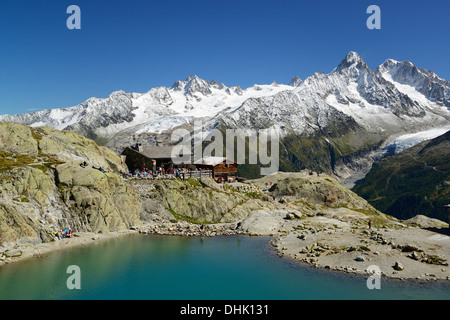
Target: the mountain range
(336, 122)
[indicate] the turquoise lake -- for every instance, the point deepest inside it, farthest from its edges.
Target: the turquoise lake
(179, 268)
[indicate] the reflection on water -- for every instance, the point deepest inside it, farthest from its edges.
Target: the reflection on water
(172, 268)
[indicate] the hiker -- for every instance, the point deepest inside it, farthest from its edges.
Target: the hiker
(83, 164)
(370, 224)
(310, 172)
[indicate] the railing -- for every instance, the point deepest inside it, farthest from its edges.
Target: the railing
(198, 174)
(182, 175)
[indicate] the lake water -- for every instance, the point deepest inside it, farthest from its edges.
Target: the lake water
(179, 268)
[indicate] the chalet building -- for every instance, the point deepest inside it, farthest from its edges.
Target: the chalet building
(221, 170)
(150, 157)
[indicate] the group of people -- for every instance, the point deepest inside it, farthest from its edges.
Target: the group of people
(66, 233)
(312, 172)
(160, 172)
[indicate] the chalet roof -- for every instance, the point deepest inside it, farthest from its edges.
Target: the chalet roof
(212, 161)
(157, 152)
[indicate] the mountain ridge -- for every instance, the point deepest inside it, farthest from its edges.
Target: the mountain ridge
(329, 110)
(412, 182)
(120, 110)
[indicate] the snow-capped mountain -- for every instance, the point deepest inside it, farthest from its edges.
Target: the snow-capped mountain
(164, 107)
(352, 94)
(420, 84)
(350, 109)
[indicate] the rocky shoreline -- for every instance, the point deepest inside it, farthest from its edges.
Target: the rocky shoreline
(191, 230)
(407, 253)
(325, 248)
(29, 251)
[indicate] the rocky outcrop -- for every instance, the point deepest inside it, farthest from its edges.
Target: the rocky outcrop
(69, 146)
(262, 222)
(422, 221)
(44, 189)
(27, 199)
(101, 201)
(314, 193)
(199, 201)
(18, 139)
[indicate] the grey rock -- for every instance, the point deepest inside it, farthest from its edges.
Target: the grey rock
(13, 253)
(261, 222)
(398, 266)
(302, 237)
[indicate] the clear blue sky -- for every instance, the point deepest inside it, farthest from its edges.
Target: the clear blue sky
(136, 45)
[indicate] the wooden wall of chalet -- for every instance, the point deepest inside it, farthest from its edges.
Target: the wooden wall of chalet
(225, 168)
(134, 160)
(222, 168)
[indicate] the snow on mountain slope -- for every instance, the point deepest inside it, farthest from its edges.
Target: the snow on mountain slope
(152, 111)
(395, 98)
(349, 98)
(163, 123)
(412, 79)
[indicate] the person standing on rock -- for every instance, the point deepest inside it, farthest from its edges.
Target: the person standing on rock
(370, 224)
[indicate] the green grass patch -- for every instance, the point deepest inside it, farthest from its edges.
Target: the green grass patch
(21, 199)
(9, 161)
(37, 134)
(181, 217)
(194, 182)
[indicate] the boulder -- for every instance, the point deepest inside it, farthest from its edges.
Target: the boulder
(262, 222)
(398, 266)
(13, 253)
(410, 248)
(422, 221)
(17, 138)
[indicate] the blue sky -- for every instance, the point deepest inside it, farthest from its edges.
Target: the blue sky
(136, 45)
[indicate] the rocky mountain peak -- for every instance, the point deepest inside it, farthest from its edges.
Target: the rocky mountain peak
(217, 85)
(352, 65)
(195, 84)
(178, 85)
(424, 81)
(295, 81)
